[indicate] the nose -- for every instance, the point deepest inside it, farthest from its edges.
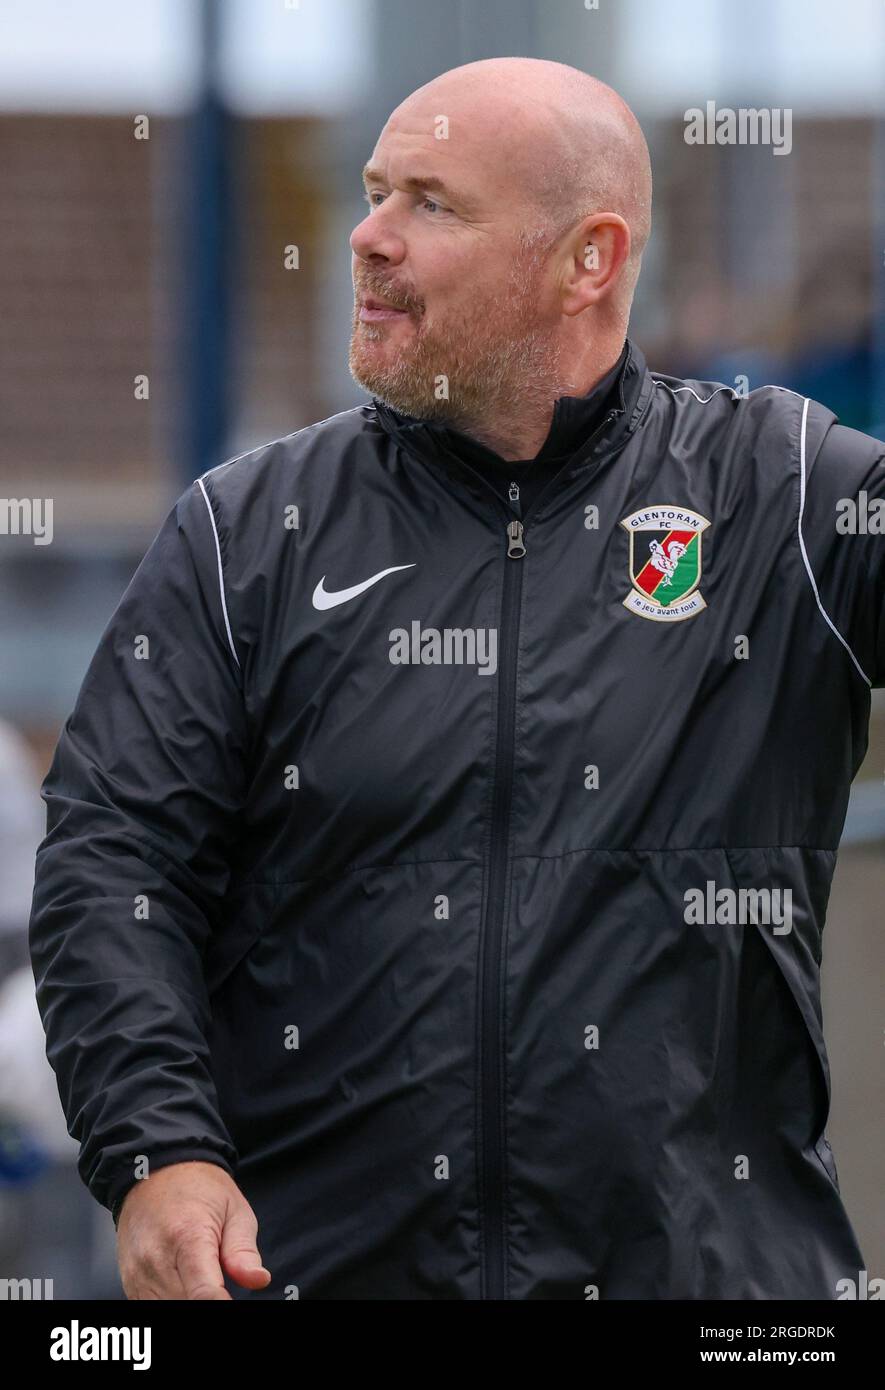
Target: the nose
(376, 238)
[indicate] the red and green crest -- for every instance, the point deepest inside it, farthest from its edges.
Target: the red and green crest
(665, 562)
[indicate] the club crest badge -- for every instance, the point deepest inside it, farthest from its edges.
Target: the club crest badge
(665, 563)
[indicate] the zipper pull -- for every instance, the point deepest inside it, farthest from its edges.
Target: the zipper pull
(515, 547)
(513, 494)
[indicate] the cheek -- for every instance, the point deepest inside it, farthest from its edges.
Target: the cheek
(463, 280)
(447, 270)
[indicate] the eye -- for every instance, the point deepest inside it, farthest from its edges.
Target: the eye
(374, 193)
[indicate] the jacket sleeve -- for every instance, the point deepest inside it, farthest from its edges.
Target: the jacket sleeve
(843, 532)
(142, 800)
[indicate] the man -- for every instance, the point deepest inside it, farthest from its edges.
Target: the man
(432, 895)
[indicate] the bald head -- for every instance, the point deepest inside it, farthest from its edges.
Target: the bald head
(568, 140)
(509, 206)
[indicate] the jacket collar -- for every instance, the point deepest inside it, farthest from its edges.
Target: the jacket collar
(576, 450)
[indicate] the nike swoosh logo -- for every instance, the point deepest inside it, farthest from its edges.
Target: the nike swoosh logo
(323, 599)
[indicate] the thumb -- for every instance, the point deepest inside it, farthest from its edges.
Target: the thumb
(239, 1252)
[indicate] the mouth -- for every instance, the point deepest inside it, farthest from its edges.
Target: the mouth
(373, 309)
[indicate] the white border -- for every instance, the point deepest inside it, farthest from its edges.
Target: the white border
(220, 570)
(824, 613)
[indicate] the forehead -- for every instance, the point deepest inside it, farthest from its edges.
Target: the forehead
(439, 139)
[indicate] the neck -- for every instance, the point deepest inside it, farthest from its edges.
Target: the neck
(514, 439)
(519, 431)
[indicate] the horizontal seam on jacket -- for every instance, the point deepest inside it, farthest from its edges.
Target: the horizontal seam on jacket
(350, 869)
(141, 978)
(584, 849)
(673, 849)
(182, 879)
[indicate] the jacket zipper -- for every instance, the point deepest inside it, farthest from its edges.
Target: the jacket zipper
(491, 1033)
(491, 1196)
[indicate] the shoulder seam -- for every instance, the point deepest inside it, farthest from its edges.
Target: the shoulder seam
(280, 439)
(220, 571)
(807, 563)
(674, 391)
(765, 386)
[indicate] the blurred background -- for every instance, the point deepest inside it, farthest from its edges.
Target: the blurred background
(179, 182)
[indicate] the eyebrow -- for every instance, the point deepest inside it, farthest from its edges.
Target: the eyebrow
(416, 183)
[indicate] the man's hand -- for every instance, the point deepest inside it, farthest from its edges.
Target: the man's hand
(182, 1229)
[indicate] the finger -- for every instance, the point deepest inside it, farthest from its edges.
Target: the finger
(239, 1251)
(197, 1266)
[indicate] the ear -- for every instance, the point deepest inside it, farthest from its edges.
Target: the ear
(596, 252)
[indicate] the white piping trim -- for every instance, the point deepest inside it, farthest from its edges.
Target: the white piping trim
(281, 439)
(249, 452)
(674, 391)
(789, 390)
(766, 386)
(802, 543)
(220, 570)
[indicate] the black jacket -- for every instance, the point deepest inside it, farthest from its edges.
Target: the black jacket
(474, 921)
